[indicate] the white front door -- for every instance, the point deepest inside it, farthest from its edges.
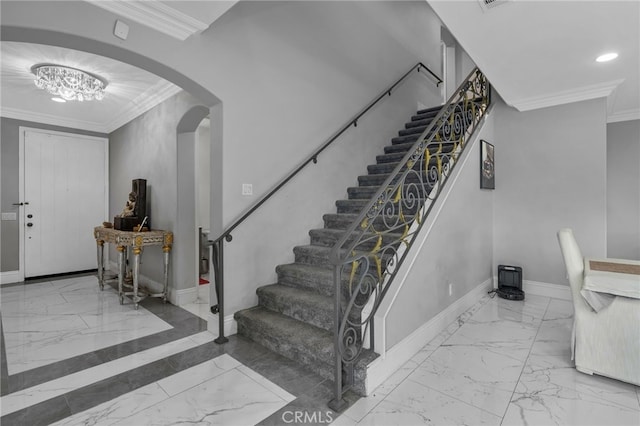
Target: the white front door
(65, 197)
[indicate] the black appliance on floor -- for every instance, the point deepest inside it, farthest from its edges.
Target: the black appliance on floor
(510, 282)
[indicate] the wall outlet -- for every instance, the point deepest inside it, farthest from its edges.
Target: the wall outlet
(10, 216)
(247, 189)
(450, 289)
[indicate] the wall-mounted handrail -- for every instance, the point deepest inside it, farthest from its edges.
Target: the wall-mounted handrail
(314, 157)
(217, 256)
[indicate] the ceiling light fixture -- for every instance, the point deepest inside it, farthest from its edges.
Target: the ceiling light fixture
(69, 83)
(607, 57)
(57, 99)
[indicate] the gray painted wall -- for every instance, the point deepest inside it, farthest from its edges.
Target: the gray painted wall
(459, 250)
(623, 190)
(289, 74)
(9, 181)
(147, 148)
(550, 174)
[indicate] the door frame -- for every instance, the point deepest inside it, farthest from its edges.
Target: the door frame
(21, 180)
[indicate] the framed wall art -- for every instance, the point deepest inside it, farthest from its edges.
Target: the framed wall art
(487, 166)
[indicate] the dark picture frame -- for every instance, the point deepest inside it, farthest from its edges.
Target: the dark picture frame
(487, 165)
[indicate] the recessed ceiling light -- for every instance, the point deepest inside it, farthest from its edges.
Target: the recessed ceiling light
(607, 57)
(58, 100)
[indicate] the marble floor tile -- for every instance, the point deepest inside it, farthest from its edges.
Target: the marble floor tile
(119, 408)
(529, 311)
(500, 362)
(551, 391)
(412, 403)
(199, 308)
(36, 394)
(42, 348)
(364, 405)
(52, 322)
(554, 337)
(502, 334)
(484, 377)
(228, 399)
(193, 376)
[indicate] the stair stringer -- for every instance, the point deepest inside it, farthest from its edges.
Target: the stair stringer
(388, 361)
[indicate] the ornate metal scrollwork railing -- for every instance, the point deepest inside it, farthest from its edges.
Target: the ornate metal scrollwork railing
(367, 257)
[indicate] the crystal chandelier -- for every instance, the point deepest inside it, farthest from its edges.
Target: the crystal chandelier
(69, 83)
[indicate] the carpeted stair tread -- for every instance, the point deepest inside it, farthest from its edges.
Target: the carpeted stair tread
(405, 139)
(295, 316)
(412, 131)
(300, 304)
(329, 237)
(401, 147)
(304, 343)
(379, 179)
(424, 115)
(293, 339)
(313, 255)
(435, 109)
(343, 220)
(394, 157)
(418, 123)
(312, 277)
(366, 192)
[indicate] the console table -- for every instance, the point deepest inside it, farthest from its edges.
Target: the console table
(136, 241)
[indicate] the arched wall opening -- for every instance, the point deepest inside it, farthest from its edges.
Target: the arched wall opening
(210, 106)
(188, 222)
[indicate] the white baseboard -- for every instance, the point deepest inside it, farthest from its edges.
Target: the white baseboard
(555, 291)
(203, 292)
(10, 277)
(230, 325)
(385, 365)
(184, 296)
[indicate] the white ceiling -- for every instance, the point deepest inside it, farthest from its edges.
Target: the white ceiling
(536, 54)
(542, 53)
(130, 90)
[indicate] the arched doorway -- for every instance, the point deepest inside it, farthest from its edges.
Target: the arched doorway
(194, 154)
(210, 106)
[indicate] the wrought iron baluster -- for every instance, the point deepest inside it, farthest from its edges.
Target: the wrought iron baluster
(392, 220)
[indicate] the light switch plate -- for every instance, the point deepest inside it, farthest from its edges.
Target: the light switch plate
(247, 189)
(10, 216)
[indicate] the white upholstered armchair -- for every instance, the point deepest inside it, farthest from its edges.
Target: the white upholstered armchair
(606, 342)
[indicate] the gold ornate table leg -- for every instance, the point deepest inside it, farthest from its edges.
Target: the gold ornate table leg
(136, 269)
(121, 271)
(100, 263)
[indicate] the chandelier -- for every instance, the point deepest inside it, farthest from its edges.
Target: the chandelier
(69, 83)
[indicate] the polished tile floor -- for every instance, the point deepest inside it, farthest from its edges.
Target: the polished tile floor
(72, 355)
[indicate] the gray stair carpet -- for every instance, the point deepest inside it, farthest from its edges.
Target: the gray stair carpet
(295, 316)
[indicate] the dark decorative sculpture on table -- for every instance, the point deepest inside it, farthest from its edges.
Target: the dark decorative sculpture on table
(135, 209)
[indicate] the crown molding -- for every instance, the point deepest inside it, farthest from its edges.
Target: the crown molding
(156, 15)
(626, 115)
(143, 103)
(54, 120)
(601, 90)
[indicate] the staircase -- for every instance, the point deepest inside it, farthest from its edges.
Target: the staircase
(295, 316)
